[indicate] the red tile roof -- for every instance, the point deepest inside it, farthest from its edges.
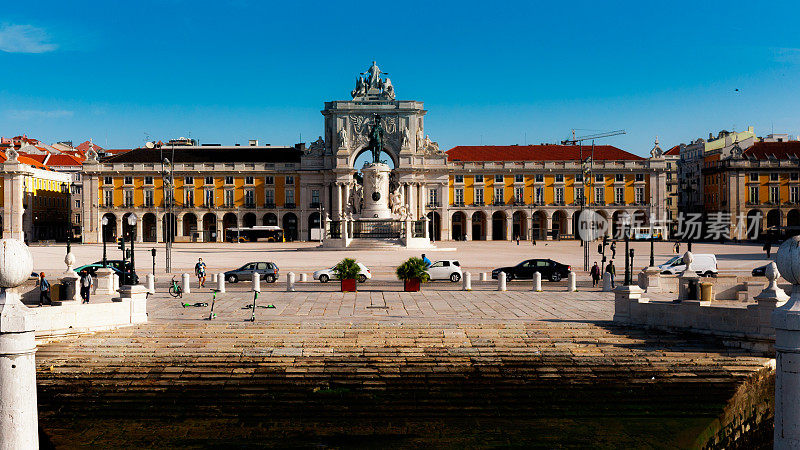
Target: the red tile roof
(63, 160)
(84, 147)
(547, 152)
(24, 159)
(674, 150)
(780, 150)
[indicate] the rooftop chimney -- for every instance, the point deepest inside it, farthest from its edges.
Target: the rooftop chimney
(253, 142)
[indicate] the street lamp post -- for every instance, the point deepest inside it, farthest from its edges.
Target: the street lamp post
(169, 202)
(625, 225)
(652, 256)
(104, 222)
(132, 222)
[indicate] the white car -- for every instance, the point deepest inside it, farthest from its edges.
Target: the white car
(445, 269)
(704, 264)
(326, 275)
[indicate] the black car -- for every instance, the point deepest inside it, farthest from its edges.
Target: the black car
(550, 270)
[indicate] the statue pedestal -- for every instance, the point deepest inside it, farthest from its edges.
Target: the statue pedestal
(376, 191)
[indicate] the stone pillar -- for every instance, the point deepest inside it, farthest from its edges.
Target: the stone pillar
(256, 282)
(179, 225)
(489, 228)
(606, 282)
(139, 237)
(160, 228)
(568, 225)
(119, 228)
(623, 297)
(151, 283)
(771, 297)
(467, 282)
(501, 281)
(468, 226)
(786, 320)
(104, 282)
(19, 418)
(537, 282)
(572, 284)
(185, 284)
(221, 282)
(509, 227)
(290, 282)
(652, 279)
(548, 228)
(221, 231)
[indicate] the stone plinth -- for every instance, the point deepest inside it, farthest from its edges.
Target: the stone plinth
(104, 281)
(623, 297)
(137, 296)
(73, 279)
(376, 191)
(650, 280)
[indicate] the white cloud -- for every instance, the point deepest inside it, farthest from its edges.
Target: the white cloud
(27, 114)
(24, 39)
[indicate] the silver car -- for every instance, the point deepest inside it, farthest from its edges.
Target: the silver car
(267, 271)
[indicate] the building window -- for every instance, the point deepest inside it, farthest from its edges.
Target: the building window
(479, 178)
(579, 178)
(289, 179)
(773, 176)
(433, 197)
(289, 197)
(774, 198)
(148, 198)
(188, 198)
(128, 180)
(499, 195)
(315, 198)
(148, 180)
(794, 194)
(479, 196)
(519, 179)
(579, 195)
(639, 177)
(669, 201)
(519, 195)
(559, 178)
(209, 200)
(209, 180)
(559, 196)
(638, 195)
(539, 195)
(539, 178)
(600, 195)
(619, 177)
(229, 198)
(77, 204)
(249, 198)
(249, 180)
(228, 180)
(498, 178)
(77, 218)
(269, 197)
(753, 176)
(108, 198)
(269, 179)
(459, 178)
(459, 194)
(188, 180)
(794, 176)
(754, 194)
(108, 180)
(598, 178)
(128, 198)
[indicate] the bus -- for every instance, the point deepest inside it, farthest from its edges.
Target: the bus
(269, 233)
(643, 233)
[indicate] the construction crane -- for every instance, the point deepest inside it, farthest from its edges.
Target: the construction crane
(577, 140)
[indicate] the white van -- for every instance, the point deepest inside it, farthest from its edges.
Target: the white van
(703, 264)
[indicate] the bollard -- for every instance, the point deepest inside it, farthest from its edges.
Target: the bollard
(606, 282)
(290, 282)
(214, 278)
(303, 277)
(501, 281)
(221, 282)
(256, 282)
(537, 282)
(185, 283)
(151, 283)
(467, 281)
(572, 282)
(483, 276)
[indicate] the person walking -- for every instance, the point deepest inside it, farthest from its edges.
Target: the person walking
(613, 249)
(44, 290)
(426, 260)
(768, 248)
(595, 273)
(517, 239)
(200, 271)
(677, 247)
(611, 271)
(87, 282)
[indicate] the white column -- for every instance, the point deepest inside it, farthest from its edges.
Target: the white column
(139, 230)
(221, 231)
(786, 320)
(509, 227)
(159, 228)
(119, 226)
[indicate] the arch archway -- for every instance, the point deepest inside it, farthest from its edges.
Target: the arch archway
(229, 221)
(393, 160)
(520, 225)
(793, 218)
(169, 227)
(459, 226)
(110, 229)
(128, 230)
(559, 224)
(434, 226)
(149, 229)
(249, 220)
(190, 226)
(269, 219)
(290, 226)
(498, 226)
(773, 219)
(478, 226)
(617, 221)
(640, 219)
(313, 224)
(539, 225)
(209, 227)
(754, 220)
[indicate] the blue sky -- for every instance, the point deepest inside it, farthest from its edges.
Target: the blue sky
(488, 72)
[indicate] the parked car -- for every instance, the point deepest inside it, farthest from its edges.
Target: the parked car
(268, 272)
(550, 270)
(446, 269)
(703, 263)
(760, 271)
(117, 264)
(92, 270)
(326, 275)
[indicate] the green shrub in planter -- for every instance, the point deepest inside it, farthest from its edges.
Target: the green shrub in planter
(413, 269)
(347, 269)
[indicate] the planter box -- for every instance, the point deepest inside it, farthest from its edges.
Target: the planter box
(411, 285)
(348, 285)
